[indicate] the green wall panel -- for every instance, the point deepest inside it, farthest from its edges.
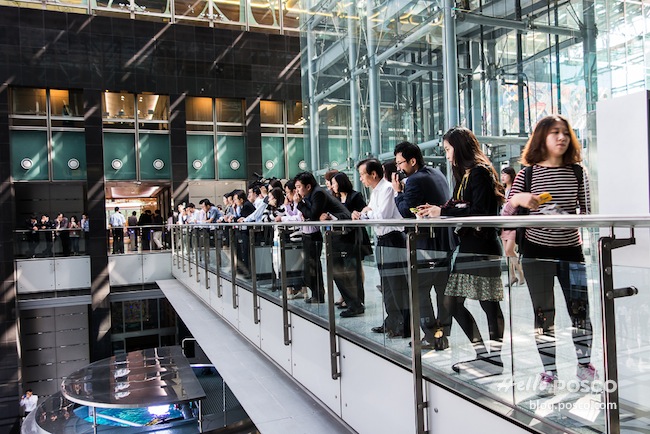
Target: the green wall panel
(200, 148)
(273, 157)
(338, 153)
(66, 146)
(121, 147)
(231, 157)
(30, 145)
(154, 149)
(296, 155)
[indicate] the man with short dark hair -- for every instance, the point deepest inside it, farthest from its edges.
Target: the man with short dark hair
(132, 222)
(391, 249)
(316, 204)
(426, 185)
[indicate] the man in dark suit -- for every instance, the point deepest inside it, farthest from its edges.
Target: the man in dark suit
(424, 185)
(316, 204)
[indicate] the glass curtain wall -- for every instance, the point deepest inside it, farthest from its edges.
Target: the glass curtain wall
(47, 135)
(382, 67)
(216, 145)
(136, 136)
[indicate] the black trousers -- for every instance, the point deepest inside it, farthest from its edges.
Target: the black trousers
(541, 266)
(391, 264)
(346, 270)
(433, 271)
(312, 246)
(118, 240)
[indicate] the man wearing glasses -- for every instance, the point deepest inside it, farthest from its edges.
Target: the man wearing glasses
(426, 185)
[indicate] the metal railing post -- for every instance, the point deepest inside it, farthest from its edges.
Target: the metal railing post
(218, 245)
(608, 294)
(200, 239)
(416, 344)
(233, 262)
(283, 285)
(253, 270)
(334, 352)
(206, 259)
(183, 246)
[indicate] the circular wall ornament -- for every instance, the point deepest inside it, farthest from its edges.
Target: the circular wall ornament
(234, 165)
(116, 164)
(302, 164)
(26, 163)
(197, 164)
(158, 164)
(269, 164)
(73, 163)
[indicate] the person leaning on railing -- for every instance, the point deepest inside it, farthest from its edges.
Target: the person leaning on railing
(552, 156)
(476, 272)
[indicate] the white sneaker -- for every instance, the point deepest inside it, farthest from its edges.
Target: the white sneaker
(547, 384)
(587, 372)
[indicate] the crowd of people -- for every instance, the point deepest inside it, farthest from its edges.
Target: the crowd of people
(457, 264)
(68, 230)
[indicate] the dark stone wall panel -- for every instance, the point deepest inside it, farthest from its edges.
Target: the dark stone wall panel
(60, 50)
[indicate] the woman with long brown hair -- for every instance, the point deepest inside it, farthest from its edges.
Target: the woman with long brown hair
(476, 272)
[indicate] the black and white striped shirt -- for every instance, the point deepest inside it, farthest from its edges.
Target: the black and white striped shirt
(562, 184)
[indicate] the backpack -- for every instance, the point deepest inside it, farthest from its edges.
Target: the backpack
(528, 180)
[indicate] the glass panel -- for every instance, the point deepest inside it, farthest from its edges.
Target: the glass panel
(265, 13)
(119, 156)
(118, 109)
(295, 115)
(153, 6)
(29, 155)
(133, 315)
(117, 317)
(190, 9)
(153, 107)
(200, 157)
(230, 110)
(271, 112)
(25, 101)
(167, 314)
(291, 12)
(155, 159)
(198, 109)
(68, 155)
(226, 12)
(150, 314)
(231, 151)
(273, 157)
(296, 156)
(66, 103)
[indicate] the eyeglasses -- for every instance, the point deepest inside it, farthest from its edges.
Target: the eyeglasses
(399, 163)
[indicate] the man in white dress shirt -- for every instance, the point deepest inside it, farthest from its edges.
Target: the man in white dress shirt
(391, 245)
(117, 222)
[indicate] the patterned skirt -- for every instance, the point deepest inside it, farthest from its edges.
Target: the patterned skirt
(476, 277)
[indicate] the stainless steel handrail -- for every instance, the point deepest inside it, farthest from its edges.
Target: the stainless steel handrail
(549, 221)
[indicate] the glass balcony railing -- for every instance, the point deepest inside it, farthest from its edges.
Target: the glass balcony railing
(563, 345)
(50, 243)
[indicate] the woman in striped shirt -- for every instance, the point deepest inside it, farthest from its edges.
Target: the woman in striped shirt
(553, 152)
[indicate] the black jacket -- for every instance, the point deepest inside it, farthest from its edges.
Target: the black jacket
(320, 201)
(427, 185)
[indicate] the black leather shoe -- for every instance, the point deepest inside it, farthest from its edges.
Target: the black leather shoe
(425, 345)
(379, 329)
(352, 312)
(314, 300)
